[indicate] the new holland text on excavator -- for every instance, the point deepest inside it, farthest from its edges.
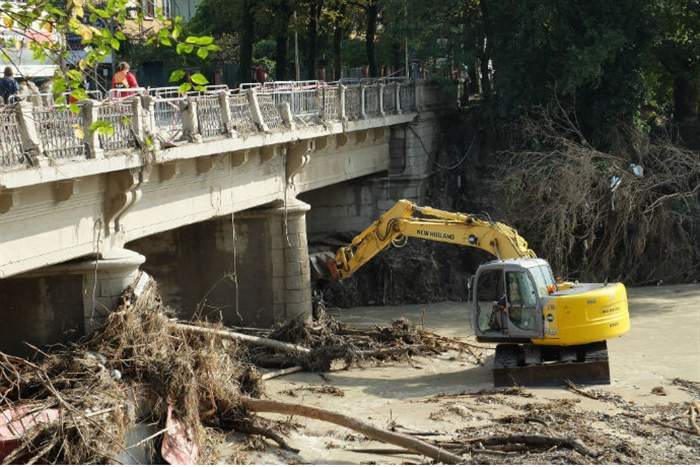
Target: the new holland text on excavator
(547, 333)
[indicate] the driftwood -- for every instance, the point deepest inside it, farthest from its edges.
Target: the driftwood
(537, 440)
(573, 388)
(398, 439)
(282, 372)
(262, 341)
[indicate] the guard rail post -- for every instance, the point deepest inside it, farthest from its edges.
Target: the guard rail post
(190, 126)
(363, 88)
(150, 129)
(137, 123)
(286, 113)
(31, 143)
(255, 110)
(226, 117)
(341, 103)
(381, 100)
(397, 97)
(91, 114)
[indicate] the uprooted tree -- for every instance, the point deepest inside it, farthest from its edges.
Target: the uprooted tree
(632, 213)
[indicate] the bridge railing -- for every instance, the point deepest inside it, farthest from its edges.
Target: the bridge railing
(161, 117)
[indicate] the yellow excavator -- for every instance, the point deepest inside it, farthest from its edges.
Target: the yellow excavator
(547, 333)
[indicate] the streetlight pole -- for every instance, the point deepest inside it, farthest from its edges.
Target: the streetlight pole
(297, 73)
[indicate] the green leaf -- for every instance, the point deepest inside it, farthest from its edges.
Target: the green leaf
(74, 108)
(199, 78)
(202, 53)
(120, 35)
(166, 41)
(114, 43)
(183, 48)
(79, 94)
(184, 88)
(200, 40)
(102, 127)
(176, 76)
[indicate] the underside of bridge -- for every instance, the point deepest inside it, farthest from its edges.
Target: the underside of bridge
(225, 240)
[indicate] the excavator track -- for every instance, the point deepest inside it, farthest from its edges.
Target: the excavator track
(532, 365)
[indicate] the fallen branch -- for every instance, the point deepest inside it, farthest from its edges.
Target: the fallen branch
(573, 388)
(262, 341)
(252, 429)
(404, 441)
(282, 372)
(538, 440)
(381, 451)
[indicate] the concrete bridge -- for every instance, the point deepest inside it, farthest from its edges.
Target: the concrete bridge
(213, 193)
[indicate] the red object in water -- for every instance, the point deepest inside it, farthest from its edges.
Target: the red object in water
(178, 446)
(18, 420)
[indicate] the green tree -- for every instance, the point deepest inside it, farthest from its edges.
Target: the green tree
(81, 18)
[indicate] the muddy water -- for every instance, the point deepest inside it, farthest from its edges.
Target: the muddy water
(664, 343)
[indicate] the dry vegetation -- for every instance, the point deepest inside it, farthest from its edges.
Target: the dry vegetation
(590, 215)
(141, 364)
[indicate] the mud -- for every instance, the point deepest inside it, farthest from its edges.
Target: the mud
(623, 425)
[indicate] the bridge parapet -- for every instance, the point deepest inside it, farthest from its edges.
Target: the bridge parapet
(151, 120)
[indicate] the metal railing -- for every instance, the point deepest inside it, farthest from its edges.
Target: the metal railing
(209, 116)
(167, 116)
(269, 111)
(407, 97)
(164, 115)
(10, 138)
(353, 102)
(241, 116)
(60, 132)
(330, 103)
(389, 98)
(121, 117)
(372, 108)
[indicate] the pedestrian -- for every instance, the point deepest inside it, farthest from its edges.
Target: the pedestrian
(8, 86)
(124, 79)
(260, 74)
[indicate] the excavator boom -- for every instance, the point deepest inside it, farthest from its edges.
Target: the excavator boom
(407, 220)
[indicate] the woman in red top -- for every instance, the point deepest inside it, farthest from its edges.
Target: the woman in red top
(124, 79)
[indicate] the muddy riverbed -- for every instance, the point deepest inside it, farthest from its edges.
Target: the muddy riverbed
(423, 395)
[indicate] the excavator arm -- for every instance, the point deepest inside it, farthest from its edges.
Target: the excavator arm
(405, 220)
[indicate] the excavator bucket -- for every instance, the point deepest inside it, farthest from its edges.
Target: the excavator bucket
(323, 266)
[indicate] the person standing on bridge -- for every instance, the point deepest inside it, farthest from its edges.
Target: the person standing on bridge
(124, 79)
(8, 86)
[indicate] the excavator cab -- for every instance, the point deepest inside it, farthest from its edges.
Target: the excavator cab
(508, 300)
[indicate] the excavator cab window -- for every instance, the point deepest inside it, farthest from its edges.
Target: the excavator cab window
(490, 301)
(507, 303)
(522, 300)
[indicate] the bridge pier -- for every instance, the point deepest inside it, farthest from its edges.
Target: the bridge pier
(57, 303)
(248, 275)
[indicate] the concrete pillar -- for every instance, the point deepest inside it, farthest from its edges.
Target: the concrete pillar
(55, 304)
(289, 273)
(257, 280)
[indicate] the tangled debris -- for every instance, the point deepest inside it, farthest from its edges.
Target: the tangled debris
(329, 340)
(76, 404)
(562, 431)
(133, 369)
